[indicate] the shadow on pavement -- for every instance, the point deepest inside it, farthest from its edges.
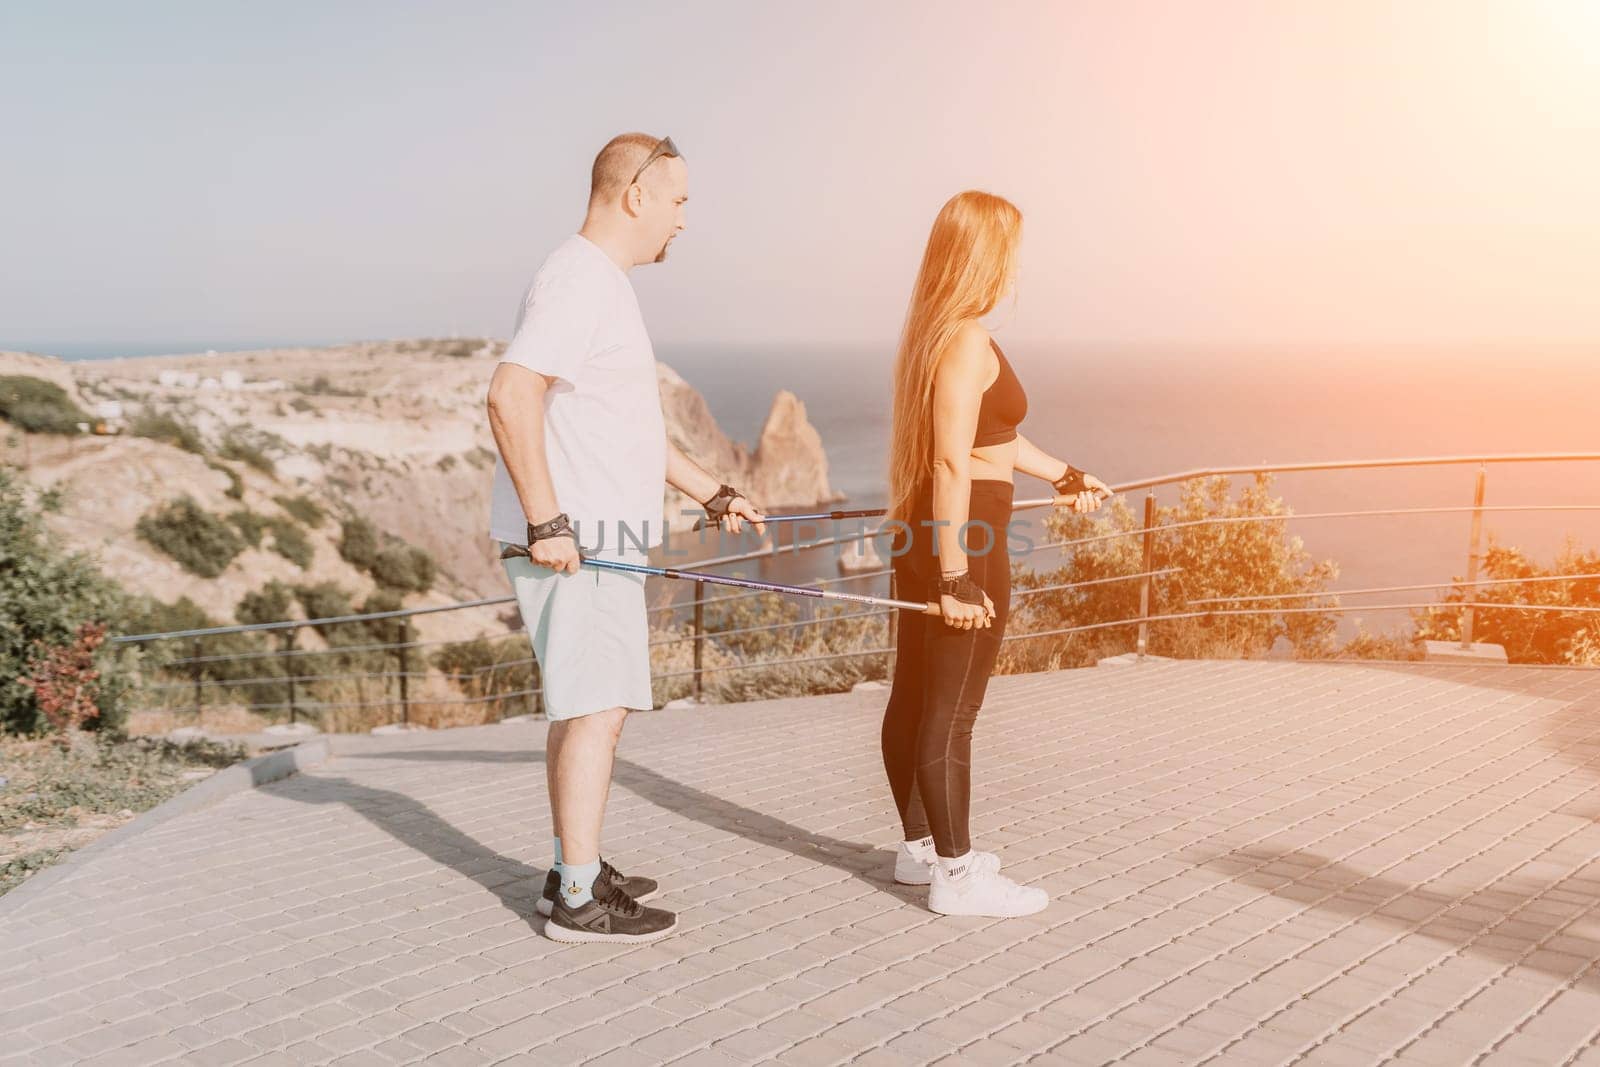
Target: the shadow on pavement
(517, 885)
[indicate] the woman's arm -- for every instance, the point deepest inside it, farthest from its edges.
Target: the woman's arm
(958, 383)
(1031, 459)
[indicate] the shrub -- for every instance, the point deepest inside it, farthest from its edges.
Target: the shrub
(324, 600)
(236, 445)
(358, 542)
(38, 406)
(217, 651)
(270, 603)
(482, 668)
(380, 600)
(167, 428)
(64, 679)
(290, 541)
(235, 490)
(321, 385)
(197, 539)
(1225, 559)
(46, 596)
(1527, 636)
(249, 524)
(302, 507)
(404, 567)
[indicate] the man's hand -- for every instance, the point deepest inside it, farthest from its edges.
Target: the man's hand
(741, 511)
(558, 553)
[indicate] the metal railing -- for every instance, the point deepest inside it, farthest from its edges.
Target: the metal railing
(701, 635)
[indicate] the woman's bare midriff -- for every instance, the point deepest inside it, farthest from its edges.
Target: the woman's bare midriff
(993, 462)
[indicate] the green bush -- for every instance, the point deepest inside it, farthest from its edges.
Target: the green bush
(1225, 559)
(358, 542)
(290, 541)
(199, 540)
(236, 445)
(324, 600)
(321, 385)
(235, 490)
(167, 428)
(403, 567)
(1527, 636)
(303, 508)
(38, 406)
(483, 669)
(380, 600)
(270, 603)
(45, 595)
(249, 524)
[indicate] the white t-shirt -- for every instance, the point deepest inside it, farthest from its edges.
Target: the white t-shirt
(604, 436)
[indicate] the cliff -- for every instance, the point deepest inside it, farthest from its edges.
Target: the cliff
(392, 431)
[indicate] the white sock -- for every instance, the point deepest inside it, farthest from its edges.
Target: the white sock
(921, 849)
(956, 868)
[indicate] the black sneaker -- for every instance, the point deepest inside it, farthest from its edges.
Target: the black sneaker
(639, 888)
(611, 916)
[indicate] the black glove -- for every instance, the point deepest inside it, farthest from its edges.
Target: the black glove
(719, 504)
(962, 587)
(1071, 483)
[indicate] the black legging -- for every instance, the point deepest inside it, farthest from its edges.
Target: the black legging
(941, 672)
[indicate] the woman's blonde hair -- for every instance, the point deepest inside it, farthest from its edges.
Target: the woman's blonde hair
(971, 253)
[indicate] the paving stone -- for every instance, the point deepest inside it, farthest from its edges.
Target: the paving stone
(1247, 859)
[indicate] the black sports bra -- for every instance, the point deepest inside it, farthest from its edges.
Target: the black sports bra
(1003, 406)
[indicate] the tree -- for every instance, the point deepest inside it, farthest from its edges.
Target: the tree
(1256, 557)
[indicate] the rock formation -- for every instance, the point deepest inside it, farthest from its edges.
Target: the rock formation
(392, 431)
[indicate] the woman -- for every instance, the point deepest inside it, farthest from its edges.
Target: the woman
(955, 445)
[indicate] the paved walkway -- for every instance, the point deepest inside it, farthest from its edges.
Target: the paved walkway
(1251, 862)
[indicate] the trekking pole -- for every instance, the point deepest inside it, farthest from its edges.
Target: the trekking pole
(872, 513)
(924, 607)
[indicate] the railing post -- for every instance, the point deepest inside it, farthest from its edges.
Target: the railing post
(1472, 560)
(289, 668)
(1144, 583)
(699, 635)
(405, 669)
(194, 654)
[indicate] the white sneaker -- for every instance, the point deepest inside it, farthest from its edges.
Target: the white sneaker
(910, 868)
(981, 891)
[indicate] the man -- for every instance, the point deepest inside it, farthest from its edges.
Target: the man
(576, 415)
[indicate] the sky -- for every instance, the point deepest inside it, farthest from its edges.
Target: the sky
(1232, 173)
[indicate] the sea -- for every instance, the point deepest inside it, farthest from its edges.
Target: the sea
(1130, 414)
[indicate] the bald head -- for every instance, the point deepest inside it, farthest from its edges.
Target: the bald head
(636, 221)
(617, 163)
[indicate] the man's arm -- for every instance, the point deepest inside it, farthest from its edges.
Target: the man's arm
(691, 479)
(516, 417)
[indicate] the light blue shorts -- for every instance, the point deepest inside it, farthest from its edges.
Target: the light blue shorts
(590, 636)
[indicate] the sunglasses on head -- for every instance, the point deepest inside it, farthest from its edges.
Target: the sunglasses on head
(664, 147)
